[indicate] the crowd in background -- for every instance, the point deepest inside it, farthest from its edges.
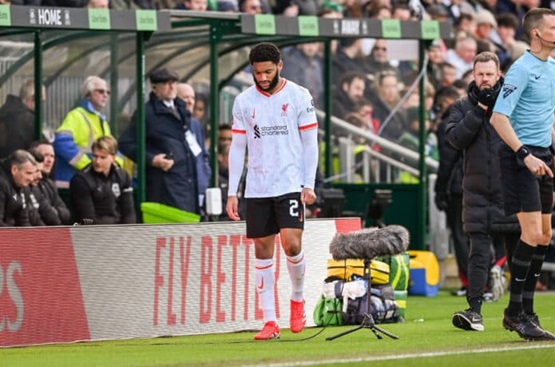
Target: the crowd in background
(370, 90)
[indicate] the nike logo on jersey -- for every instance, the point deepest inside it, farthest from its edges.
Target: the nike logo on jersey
(253, 113)
(520, 280)
(536, 76)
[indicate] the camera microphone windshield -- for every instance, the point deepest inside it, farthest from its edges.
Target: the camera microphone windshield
(370, 243)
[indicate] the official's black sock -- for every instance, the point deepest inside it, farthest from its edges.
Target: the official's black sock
(520, 265)
(532, 279)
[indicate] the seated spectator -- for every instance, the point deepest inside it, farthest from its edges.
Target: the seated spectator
(80, 128)
(251, 7)
(102, 192)
(98, 4)
(304, 66)
(348, 58)
(386, 95)
(378, 61)
(435, 60)
(508, 48)
(228, 6)
(39, 211)
(448, 74)
(46, 186)
(294, 8)
(463, 55)
(349, 93)
(17, 119)
(380, 12)
(16, 173)
(196, 5)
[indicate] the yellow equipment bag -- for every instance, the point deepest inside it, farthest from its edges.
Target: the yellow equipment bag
(351, 269)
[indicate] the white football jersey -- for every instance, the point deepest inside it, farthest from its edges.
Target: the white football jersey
(273, 124)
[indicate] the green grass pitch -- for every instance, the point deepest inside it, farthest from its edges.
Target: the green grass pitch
(426, 338)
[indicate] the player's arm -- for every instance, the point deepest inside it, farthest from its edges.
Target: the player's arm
(502, 125)
(309, 138)
(236, 164)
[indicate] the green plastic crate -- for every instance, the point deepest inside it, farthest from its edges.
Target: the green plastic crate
(160, 213)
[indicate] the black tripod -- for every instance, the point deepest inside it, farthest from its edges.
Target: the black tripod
(368, 320)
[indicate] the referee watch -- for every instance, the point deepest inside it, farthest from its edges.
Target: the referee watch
(522, 152)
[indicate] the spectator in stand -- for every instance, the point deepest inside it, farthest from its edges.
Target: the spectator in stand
(331, 10)
(437, 12)
(46, 185)
(463, 54)
(448, 74)
(458, 7)
(80, 128)
(435, 60)
(228, 6)
(251, 7)
(171, 147)
(200, 110)
(305, 66)
(196, 5)
(16, 173)
(65, 3)
(39, 210)
(349, 94)
(102, 192)
(485, 25)
(17, 119)
(378, 11)
(204, 171)
(386, 96)
(348, 57)
(401, 11)
(378, 61)
(466, 23)
(98, 4)
(507, 25)
(294, 8)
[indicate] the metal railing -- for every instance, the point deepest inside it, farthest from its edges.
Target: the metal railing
(372, 166)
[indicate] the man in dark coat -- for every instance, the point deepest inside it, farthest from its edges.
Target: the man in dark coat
(43, 151)
(469, 130)
(171, 173)
(16, 173)
(17, 120)
(448, 187)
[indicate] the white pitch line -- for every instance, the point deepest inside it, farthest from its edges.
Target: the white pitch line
(405, 356)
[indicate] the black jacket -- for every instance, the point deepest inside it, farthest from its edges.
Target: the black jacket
(469, 130)
(17, 126)
(104, 199)
(450, 172)
(12, 203)
(165, 133)
(44, 205)
(47, 188)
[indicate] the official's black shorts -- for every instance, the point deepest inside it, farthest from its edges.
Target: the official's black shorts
(266, 216)
(523, 191)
